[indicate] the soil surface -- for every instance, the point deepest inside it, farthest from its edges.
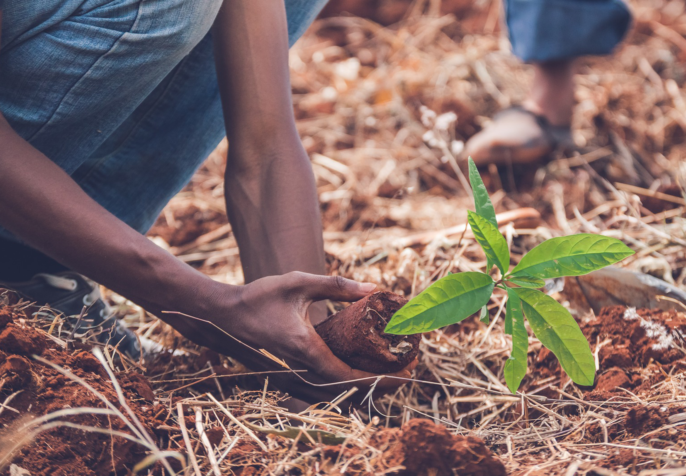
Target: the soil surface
(356, 336)
(421, 447)
(636, 349)
(632, 341)
(426, 448)
(40, 390)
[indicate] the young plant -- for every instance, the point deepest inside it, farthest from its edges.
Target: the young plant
(457, 296)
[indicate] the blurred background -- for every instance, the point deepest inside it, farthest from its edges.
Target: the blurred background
(361, 77)
(386, 94)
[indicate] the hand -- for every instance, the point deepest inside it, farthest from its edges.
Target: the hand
(272, 314)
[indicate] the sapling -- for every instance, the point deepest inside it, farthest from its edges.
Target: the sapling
(457, 296)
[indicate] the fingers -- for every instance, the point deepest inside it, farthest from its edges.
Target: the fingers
(317, 288)
(327, 369)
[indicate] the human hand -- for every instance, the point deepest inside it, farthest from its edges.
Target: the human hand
(272, 313)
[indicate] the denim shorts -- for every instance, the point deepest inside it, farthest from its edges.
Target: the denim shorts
(123, 95)
(547, 30)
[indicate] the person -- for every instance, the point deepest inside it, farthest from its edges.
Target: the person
(107, 109)
(550, 34)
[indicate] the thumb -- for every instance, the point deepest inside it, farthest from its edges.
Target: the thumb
(337, 288)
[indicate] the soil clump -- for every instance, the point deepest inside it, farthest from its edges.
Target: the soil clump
(39, 390)
(636, 349)
(356, 335)
(426, 448)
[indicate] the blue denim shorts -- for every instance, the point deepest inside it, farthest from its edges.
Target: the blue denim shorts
(123, 95)
(546, 30)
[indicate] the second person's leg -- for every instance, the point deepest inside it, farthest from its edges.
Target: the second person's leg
(550, 34)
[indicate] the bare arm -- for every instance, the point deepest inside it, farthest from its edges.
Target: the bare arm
(41, 204)
(270, 188)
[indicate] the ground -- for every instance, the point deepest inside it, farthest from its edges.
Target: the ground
(390, 183)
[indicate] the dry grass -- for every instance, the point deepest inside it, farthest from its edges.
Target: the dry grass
(358, 93)
(393, 201)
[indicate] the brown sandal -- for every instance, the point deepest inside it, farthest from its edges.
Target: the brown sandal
(518, 136)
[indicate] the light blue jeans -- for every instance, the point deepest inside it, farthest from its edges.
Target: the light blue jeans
(121, 94)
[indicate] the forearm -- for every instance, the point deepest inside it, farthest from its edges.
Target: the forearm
(275, 215)
(270, 188)
(42, 205)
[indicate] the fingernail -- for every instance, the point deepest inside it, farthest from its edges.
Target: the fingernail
(367, 287)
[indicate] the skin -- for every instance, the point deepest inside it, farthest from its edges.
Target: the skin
(552, 92)
(519, 138)
(271, 202)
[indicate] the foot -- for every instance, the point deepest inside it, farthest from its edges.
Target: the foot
(516, 136)
(530, 132)
(68, 292)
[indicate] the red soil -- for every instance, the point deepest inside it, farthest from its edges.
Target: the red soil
(420, 446)
(639, 350)
(611, 380)
(631, 344)
(426, 448)
(640, 420)
(355, 335)
(64, 451)
(635, 354)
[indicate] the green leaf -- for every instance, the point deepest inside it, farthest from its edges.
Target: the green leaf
(447, 301)
(484, 317)
(515, 366)
(574, 255)
(482, 203)
(491, 240)
(558, 331)
(526, 281)
(508, 311)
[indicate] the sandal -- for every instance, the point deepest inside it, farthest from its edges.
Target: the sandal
(519, 136)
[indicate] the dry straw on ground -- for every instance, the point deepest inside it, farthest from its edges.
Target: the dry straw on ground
(389, 178)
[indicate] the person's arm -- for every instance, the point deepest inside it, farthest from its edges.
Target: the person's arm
(42, 205)
(271, 195)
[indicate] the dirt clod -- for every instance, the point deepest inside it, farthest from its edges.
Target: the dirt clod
(612, 379)
(355, 335)
(139, 385)
(5, 317)
(64, 451)
(16, 371)
(641, 419)
(637, 335)
(22, 341)
(427, 448)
